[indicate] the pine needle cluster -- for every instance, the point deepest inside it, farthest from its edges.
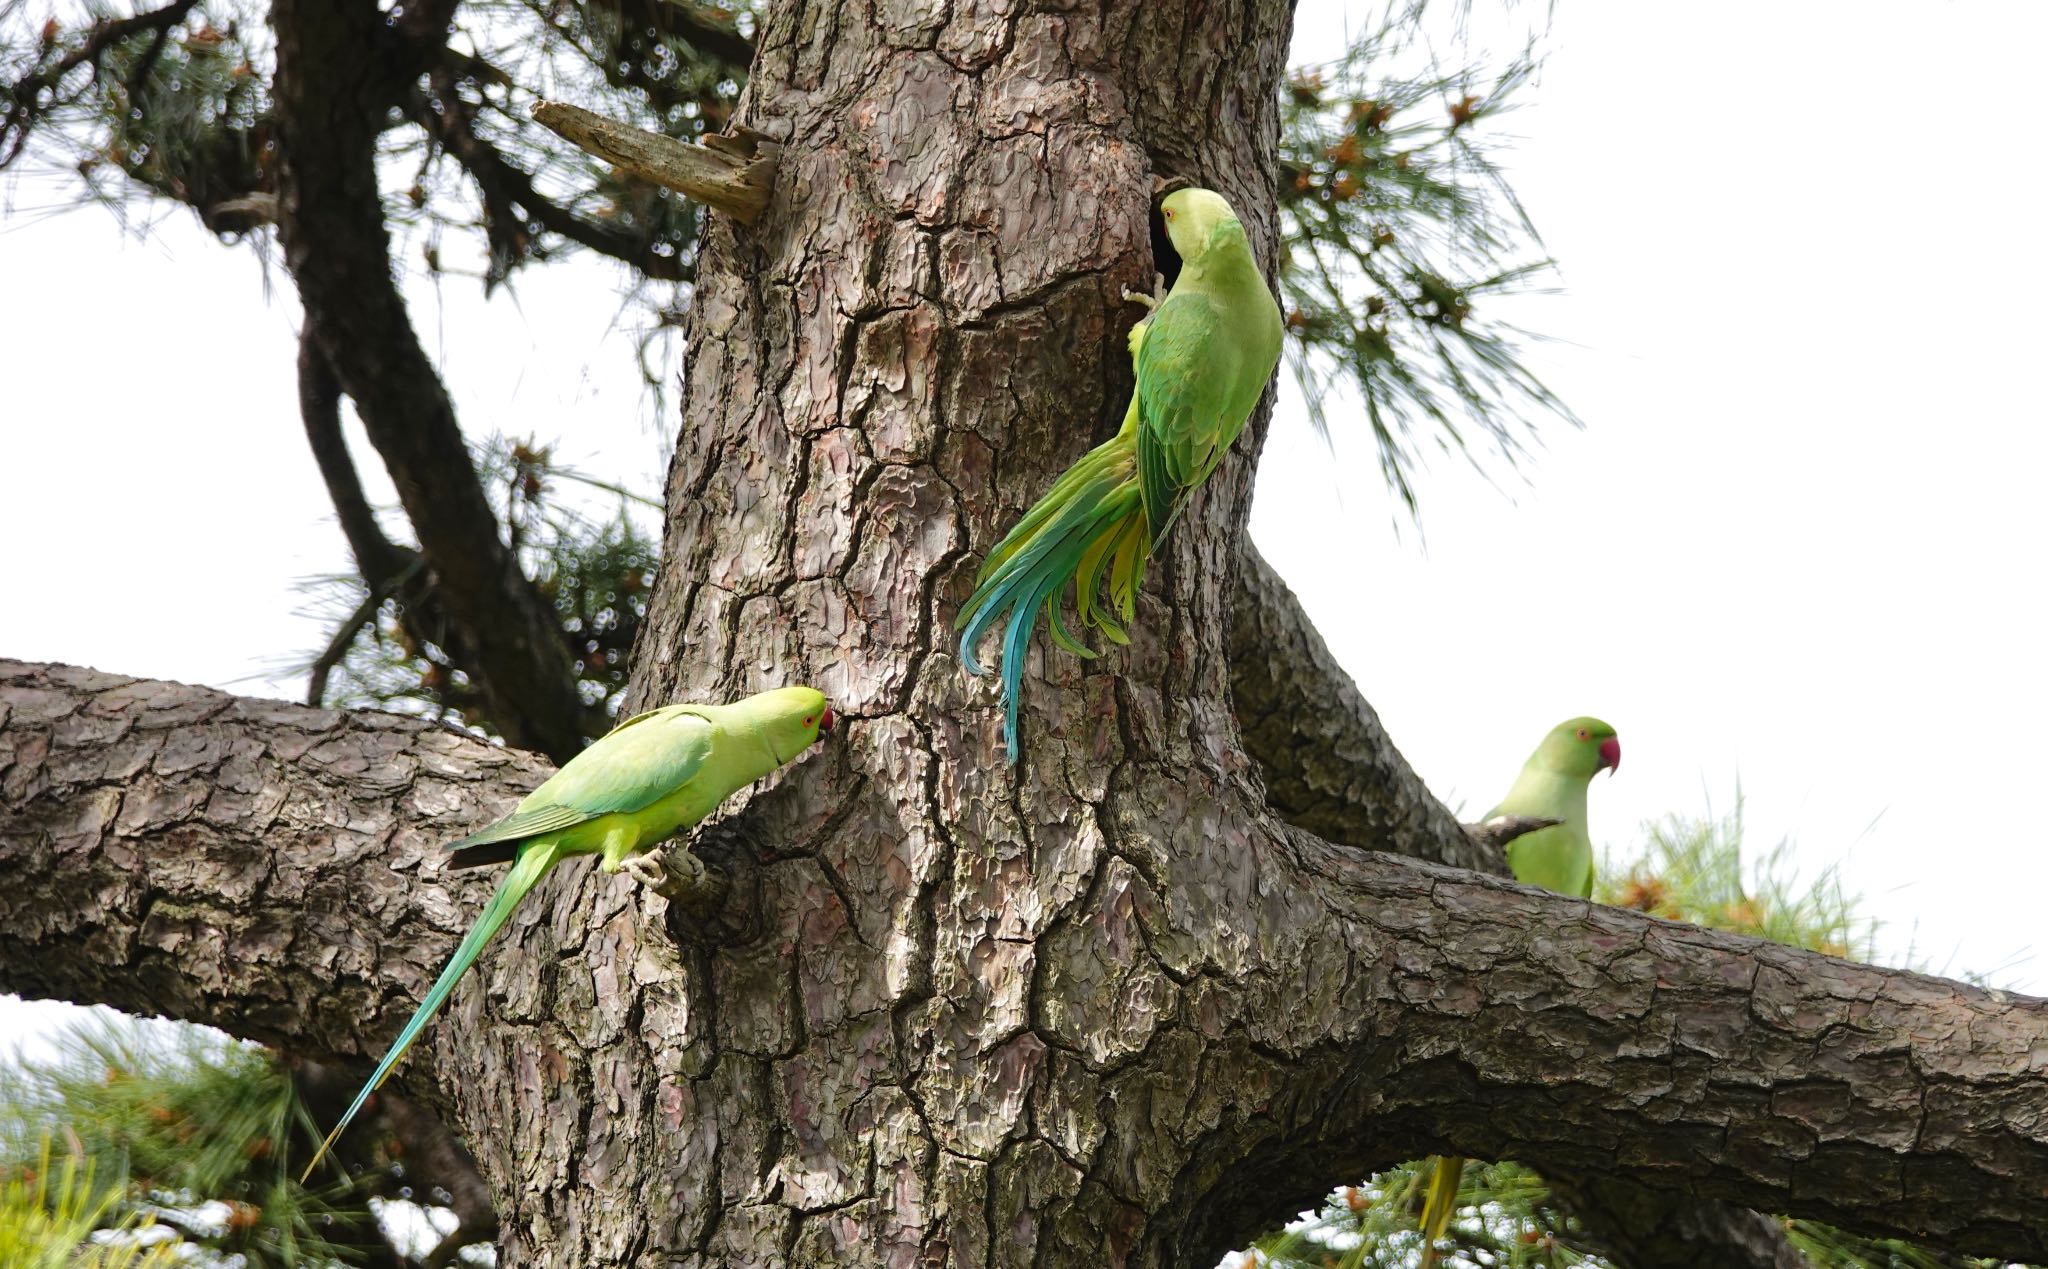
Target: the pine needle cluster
(170, 1145)
(1400, 229)
(53, 1216)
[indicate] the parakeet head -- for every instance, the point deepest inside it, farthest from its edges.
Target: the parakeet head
(1582, 747)
(1191, 216)
(791, 719)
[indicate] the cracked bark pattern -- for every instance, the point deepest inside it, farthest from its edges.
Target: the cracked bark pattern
(1196, 1047)
(264, 868)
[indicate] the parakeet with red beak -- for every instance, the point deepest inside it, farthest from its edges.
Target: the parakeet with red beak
(1203, 359)
(1552, 786)
(652, 776)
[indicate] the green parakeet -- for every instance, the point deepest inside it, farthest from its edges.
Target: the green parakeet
(1203, 359)
(653, 775)
(1552, 786)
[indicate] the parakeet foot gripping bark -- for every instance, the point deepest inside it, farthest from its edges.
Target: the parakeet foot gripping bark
(1203, 358)
(653, 775)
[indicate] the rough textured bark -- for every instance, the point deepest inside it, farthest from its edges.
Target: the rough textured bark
(1170, 1081)
(1331, 769)
(1099, 1008)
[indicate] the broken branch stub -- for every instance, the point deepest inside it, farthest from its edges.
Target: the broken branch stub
(734, 174)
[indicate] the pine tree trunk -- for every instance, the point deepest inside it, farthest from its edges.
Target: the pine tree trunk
(1101, 1008)
(947, 1043)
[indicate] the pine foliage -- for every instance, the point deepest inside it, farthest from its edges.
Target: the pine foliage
(53, 1216)
(175, 1138)
(1400, 231)
(589, 547)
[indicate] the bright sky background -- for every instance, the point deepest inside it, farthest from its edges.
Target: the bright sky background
(1799, 542)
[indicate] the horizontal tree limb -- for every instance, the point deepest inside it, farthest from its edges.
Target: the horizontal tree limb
(1330, 769)
(274, 870)
(1493, 1020)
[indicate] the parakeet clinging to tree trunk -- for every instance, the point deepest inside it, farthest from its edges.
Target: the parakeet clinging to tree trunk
(1203, 358)
(1552, 786)
(653, 775)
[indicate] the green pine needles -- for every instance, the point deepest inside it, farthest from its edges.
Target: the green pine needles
(147, 1146)
(1400, 229)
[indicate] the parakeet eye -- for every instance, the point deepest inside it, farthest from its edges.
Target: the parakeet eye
(1585, 734)
(1166, 212)
(810, 718)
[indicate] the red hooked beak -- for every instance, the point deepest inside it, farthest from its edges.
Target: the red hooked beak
(825, 723)
(1610, 752)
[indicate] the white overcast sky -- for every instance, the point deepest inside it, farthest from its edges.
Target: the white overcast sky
(1798, 543)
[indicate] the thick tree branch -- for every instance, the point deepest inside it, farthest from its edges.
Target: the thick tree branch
(377, 557)
(269, 869)
(330, 96)
(1331, 770)
(249, 864)
(1499, 1021)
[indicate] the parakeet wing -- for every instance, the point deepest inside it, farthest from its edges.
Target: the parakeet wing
(637, 763)
(524, 824)
(1180, 403)
(641, 761)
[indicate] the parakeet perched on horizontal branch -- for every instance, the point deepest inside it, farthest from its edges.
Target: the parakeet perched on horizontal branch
(1203, 358)
(1552, 786)
(652, 776)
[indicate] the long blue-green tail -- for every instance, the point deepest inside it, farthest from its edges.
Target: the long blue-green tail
(534, 860)
(1090, 525)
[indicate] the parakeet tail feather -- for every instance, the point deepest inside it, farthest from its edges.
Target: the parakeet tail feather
(533, 863)
(1089, 528)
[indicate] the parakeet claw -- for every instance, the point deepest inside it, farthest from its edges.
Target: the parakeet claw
(671, 877)
(1133, 297)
